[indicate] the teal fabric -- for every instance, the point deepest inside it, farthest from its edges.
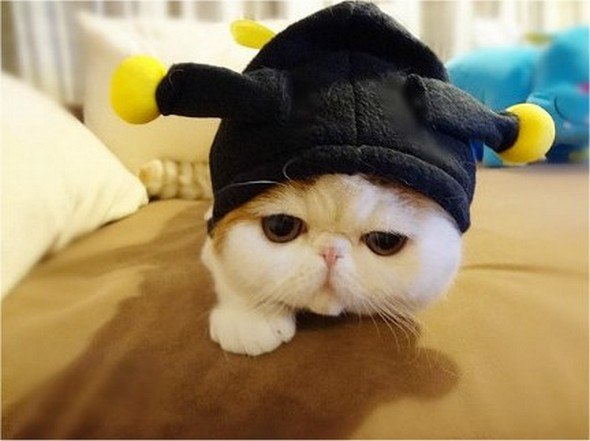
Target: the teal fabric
(554, 77)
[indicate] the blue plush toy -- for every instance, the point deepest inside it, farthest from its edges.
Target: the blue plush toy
(554, 77)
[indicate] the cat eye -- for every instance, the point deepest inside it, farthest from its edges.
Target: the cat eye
(383, 243)
(282, 228)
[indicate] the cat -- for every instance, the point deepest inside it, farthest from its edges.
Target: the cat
(165, 178)
(337, 243)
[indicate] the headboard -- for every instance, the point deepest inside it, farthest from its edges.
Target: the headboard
(41, 44)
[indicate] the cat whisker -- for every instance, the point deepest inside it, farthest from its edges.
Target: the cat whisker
(406, 326)
(398, 314)
(365, 305)
(399, 325)
(408, 320)
(377, 310)
(268, 305)
(397, 306)
(265, 302)
(386, 314)
(398, 310)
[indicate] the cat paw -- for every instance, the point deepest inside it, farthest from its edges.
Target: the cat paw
(249, 332)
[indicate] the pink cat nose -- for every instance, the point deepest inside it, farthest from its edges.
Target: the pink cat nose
(330, 255)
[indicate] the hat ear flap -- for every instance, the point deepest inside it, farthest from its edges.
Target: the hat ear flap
(141, 89)
(199, 90)
(523, 133)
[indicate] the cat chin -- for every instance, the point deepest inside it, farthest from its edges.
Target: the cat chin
(325, 302)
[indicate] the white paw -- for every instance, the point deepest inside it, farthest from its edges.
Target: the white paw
(249, 332)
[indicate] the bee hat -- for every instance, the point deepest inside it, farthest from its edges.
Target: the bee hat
(345, 90)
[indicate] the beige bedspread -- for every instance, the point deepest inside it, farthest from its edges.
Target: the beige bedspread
(109, 337)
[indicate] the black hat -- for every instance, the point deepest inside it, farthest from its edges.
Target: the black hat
(345, 90)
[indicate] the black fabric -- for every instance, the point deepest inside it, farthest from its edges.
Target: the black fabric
(200, 90)
(439, 102)
(346, 90)
(350, 27)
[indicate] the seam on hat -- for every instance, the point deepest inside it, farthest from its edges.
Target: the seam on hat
(422, 161)
(462, 222)
(419, 160)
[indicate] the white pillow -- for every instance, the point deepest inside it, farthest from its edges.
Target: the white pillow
(58, 180)
(107, 41)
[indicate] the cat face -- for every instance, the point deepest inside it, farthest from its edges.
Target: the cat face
(339, 243)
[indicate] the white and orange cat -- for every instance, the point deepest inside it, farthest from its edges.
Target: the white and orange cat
(335, 244)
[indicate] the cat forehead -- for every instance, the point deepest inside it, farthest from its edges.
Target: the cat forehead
(341, 199)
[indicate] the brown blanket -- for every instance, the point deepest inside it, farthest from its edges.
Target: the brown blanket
(109, 337)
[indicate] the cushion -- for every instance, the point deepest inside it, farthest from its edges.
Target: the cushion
(108, 41)
(122, 350)
(58, 180)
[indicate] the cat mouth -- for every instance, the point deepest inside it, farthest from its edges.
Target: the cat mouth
(329, 310)
(326, 301)
(327, 286)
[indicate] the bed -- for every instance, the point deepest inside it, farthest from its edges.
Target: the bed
(108, 337)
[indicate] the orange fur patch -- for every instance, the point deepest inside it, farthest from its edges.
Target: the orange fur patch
(249, 211)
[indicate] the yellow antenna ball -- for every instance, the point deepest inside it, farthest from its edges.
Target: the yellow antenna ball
(536, 133)
(133, 89)
(251, 34)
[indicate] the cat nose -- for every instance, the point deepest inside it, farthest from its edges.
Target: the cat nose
(330, 255)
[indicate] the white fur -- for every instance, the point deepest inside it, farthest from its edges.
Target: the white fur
(261, 284)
